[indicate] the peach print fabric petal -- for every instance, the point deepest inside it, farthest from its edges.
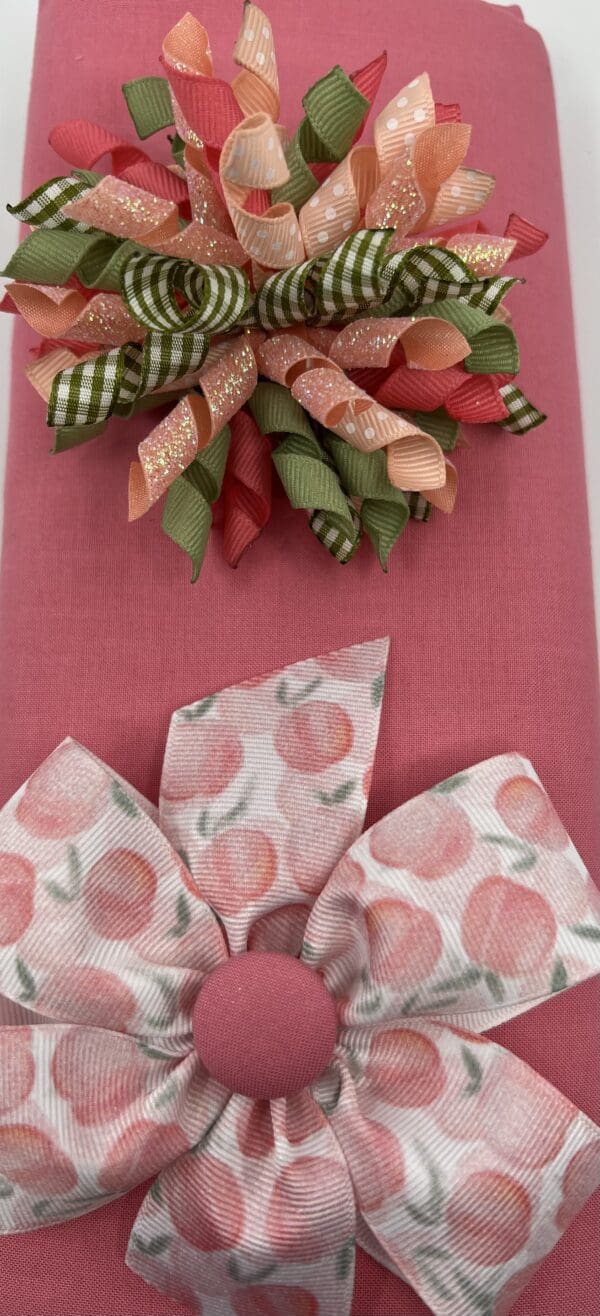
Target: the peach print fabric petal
(442, 1155)
(265, 786)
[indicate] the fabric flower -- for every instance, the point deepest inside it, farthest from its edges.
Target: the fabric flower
(282, 1018)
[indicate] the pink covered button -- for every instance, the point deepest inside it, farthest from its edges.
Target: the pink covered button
(264, 1024)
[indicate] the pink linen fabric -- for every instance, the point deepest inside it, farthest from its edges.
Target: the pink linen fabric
(490, 611)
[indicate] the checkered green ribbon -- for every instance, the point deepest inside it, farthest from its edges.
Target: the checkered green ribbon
(306, 471)
(43, 207)
(419, 507)
(523, 416)
(431, 274)
(359, 276)
(286, 297)
(86, 394)
(187, 517)
(217, 295)
(333, 113)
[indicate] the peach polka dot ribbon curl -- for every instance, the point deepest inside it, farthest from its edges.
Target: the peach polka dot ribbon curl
(352, 275)
(282, 1017)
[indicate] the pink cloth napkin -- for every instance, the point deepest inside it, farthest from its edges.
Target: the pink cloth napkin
(490, 611)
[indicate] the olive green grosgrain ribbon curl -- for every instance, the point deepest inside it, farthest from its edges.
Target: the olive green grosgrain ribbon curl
(383, 509)
(333, 113)
(187, 516)
(305, 470)
(53, 256)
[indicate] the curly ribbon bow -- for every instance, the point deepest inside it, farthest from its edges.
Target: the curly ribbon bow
(360, 1098)
(222, 388)
(134, 277)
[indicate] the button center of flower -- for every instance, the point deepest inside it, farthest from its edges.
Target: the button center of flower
(264, 1024)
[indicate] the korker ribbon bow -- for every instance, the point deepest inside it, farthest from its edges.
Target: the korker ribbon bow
(282, 1018)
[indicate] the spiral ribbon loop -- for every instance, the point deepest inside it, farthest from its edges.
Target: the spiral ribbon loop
(222, 388)
(307, 474)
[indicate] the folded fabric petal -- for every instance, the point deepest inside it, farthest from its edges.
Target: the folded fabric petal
(470, 902)
(265, 785)
(131, 939)
(86, 1114)
(467, 1165)
(260, 1219)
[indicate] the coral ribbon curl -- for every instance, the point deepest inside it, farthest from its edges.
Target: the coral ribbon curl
(246, 487)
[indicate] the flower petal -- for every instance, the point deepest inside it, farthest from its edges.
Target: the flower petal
(469, 903)
(100, 923)
(251, 1224)
(265, 784)
(466, 1164)
(85, 1114)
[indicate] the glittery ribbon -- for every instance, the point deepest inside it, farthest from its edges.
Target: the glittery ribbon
(444, 1154)
(396, 336)
(410, 180)
(414, 459)
(222, 388)
(56, 312)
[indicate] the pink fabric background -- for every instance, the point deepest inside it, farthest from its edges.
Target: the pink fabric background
(490, 611)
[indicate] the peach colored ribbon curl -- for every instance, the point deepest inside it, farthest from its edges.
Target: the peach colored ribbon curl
(411, 179)
(317, 381)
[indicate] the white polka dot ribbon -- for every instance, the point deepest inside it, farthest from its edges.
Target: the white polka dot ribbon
(256, 88)
(252, 160)
(414, 459)
(411, 179)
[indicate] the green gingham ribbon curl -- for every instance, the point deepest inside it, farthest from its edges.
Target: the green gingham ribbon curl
(113, 381)
(423, 275)
(43, 207)
(359, 276)
(217, 295)
(72, 436)
(306, 472)
(522, 415)
(187, 517)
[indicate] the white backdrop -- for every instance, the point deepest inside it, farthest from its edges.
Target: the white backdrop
(572, 35)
